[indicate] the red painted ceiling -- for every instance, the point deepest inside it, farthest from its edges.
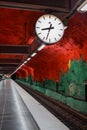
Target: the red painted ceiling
(12, 25)
(49, 62)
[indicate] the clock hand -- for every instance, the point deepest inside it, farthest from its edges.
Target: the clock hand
(49, 31)
(47, 28)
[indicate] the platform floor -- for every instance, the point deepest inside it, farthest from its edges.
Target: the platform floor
(20, 111)
(14, 115)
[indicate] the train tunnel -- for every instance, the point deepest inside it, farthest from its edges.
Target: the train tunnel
(37, 73)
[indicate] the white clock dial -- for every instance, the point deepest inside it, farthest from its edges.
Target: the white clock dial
(49, 29)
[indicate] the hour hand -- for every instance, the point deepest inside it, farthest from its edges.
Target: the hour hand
(47, 28)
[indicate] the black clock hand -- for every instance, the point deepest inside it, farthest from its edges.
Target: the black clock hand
(47, 28)
(49, 31)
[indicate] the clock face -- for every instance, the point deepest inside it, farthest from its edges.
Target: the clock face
(49, 29)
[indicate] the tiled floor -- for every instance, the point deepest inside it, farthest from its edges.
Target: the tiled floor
(14, 115)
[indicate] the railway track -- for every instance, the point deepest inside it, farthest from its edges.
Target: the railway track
(71, 118)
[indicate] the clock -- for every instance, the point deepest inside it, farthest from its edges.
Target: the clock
(49, 29)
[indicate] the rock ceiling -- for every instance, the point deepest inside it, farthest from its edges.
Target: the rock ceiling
(17, 27)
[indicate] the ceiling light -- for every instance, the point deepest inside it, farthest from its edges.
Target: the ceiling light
(25, 62)
(22, 64)
(41, 47)
(65, 27)
(82, 7)
(28, 59)
(32, 55)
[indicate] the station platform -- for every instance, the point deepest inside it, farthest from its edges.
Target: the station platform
(20, 111)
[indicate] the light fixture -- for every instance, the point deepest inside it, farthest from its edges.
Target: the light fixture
(33, 54)
(82, 7)
(65, 27)
(41, 47)
(25, 62)
(28, 59)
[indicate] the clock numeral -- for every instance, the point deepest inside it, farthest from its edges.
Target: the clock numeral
(55, 39)
(59, 35)
(39, 33)
(55, 19)
(37, 27)
(49, 16)
(49, 40)
(43, 17)
(59, 23)
(39, 21)
(43, 38)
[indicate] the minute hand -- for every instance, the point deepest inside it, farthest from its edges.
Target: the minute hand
(47, 28)
(49, 31)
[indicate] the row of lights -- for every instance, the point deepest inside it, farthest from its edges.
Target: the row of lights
(29, 58)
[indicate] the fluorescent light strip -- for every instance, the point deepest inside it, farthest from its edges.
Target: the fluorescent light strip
(33, 54)
(65, 27)
(28, 59)
(82, 7)
(25, 62)
(18, 68)
(41, 47)
(22, 64)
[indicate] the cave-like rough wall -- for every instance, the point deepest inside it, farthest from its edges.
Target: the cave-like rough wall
(13, 23)
(54, 59)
